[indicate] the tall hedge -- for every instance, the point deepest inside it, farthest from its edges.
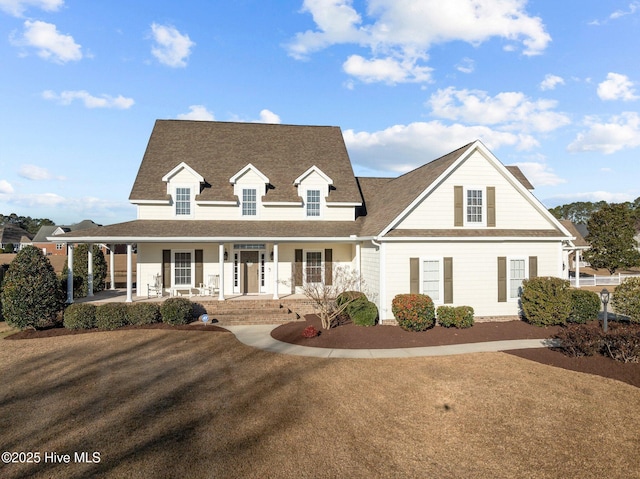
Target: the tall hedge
(546, 301)
(81, 270)
(626, 299)
(31, 295)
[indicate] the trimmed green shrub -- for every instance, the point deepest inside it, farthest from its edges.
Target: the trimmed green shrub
(626, 299)
(31, 296)
(80, 316)
(176, 311)
(458, 316)
(111, 316)
(363, 312)
(348, 296)
(414, 312)
(585, 306)
(546, 301)
(143, 313)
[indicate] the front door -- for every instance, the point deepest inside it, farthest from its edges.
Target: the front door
(249, 272)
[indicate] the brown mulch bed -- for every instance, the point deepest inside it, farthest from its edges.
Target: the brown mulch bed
(350, 336)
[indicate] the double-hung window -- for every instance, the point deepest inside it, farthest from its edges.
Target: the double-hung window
(183, 201)
(431, 278)
(474, 202)
(313, 203)
(182, 268)
(313, 267)
(249, 202)
(517, 273)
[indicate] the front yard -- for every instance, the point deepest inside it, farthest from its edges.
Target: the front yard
(158, 403)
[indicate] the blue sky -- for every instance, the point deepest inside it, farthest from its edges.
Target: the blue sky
(551, 86)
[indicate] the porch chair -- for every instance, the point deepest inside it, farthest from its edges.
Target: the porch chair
(155, 287)
(211, 286)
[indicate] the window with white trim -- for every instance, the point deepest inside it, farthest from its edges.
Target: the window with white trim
(517, 273)
(182, 268)
(431, 278)
(313, 267)
(313, 203)
(249, 202)
(474, 206)
(183, 201)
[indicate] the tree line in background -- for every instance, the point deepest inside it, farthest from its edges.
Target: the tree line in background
(611, 230)
(27, 223)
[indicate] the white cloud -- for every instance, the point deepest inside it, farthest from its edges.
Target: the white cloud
(51, 44)
(539, 174)
(5, 188)
(633, 7)
(550, 82)
(18, 7)
(619, 132)
(90, 101)
(617, 87)
(171, 47)
(511, 110)
(401, 32)
(420, 142)
(197, 112)
(466, 65)
(267, 116)
(37, 173)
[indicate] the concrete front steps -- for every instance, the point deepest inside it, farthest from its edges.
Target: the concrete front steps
(252, 312)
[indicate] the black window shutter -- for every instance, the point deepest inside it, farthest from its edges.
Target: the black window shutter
(297, 268)
(328, 267)
(166, 268)
(199, 276)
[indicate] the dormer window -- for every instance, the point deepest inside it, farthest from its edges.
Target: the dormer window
(249, 202)
(313, 203)
(183, 201)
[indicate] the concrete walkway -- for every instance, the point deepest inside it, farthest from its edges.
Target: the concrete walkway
(260, 337)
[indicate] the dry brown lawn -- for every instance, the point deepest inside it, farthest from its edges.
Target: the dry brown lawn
(199, 404)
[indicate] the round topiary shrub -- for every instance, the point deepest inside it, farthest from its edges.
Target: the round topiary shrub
(176, 311)
(363, 312)
(626, 299)
(80, 316)
(457, 317)
(348, 296)
(31, 295)
(143, 313)
(111, 316)
(585, 306)
(546, 301)
(413, 312)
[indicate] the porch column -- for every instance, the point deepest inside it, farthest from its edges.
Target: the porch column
(90, 269)
(221, 262)
(275, 271)
(358, 267)
(577, 268)
(69, 273)
(112, 267)
(129, 273)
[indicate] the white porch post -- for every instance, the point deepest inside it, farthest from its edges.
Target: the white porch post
(221, 261)
(112, 262)
(275, 271)
(358, 267)
(69, 273)
(90, 269)
(129, 273)
(577, 268)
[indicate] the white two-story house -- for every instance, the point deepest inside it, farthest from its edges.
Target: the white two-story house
(265, 208)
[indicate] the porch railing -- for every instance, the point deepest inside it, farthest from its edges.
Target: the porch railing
(594, 280)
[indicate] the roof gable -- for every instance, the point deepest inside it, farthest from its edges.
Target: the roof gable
(313, 169)
(234, 179)
(179, 168)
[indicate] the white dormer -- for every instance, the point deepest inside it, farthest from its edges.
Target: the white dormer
(313, 187)
(183, 184)
(249, 185)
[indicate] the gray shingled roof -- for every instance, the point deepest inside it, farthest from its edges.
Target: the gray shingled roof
(575, 231)
(219, 150)
(10, 233)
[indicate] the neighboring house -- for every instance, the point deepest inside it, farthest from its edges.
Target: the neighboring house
(12, 234)
(44, 238)
(269, 207)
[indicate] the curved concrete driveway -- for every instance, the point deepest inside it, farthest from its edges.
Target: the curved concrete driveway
(260, 337)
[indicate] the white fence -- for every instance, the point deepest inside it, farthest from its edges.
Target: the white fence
(602, 280)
